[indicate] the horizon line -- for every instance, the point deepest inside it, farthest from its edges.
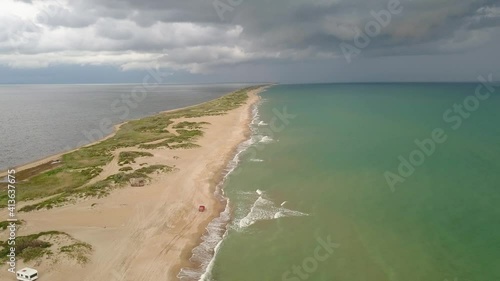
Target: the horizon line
(256, 83)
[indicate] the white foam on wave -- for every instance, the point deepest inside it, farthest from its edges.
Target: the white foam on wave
(265, 209)
(256, 114)
(266, 139)
(205, 253)
(256, 160)
(262, 123)
(279, 215)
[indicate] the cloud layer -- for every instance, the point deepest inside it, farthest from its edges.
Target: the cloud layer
(199, 36)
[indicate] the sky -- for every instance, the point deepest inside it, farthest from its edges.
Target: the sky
(213, 41)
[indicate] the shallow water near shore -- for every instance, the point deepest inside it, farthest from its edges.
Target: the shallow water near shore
(42, 120)
(319, 178)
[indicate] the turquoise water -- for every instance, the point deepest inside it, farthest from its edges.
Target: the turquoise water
(328, 164)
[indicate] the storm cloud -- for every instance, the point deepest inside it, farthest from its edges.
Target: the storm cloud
(217, 36)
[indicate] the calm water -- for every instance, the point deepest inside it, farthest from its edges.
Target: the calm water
(42, 120)
(328, 164)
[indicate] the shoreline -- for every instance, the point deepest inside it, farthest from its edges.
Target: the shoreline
(57, 156)
(50, 158)
(217, 181)
(158, 225)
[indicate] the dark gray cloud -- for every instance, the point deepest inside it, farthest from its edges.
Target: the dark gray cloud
(193, 36)
(324, 25)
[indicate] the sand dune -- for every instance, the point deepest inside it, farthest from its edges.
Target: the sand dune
(147, 233)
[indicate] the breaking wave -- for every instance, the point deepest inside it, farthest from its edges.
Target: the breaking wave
(265, 209)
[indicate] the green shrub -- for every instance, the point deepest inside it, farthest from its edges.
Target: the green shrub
(128, 157)
(80, 166)
(125, 169)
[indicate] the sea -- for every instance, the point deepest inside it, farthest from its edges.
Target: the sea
(361, 182)
(347, 182)
(38, 121)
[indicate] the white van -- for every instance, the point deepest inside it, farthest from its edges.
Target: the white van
(27, 274)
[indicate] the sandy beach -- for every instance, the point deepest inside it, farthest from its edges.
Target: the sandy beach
(145, 233)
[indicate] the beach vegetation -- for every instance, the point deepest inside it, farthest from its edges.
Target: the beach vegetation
(128, 157)
(36, 246)
(99, 189)
(71, 175)
(78, 251)
(154, 168)
(54, 181)
(5, 224)
(125, 169)
(187, 145)
(29, 247)
(190, 125)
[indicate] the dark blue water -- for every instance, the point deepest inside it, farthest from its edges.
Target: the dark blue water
(41, 120)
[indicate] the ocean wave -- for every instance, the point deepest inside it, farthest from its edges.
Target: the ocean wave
(265, 209)
(256, 160)
(205, 253)
(266, 139)
(262, 123)
(255, 114)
